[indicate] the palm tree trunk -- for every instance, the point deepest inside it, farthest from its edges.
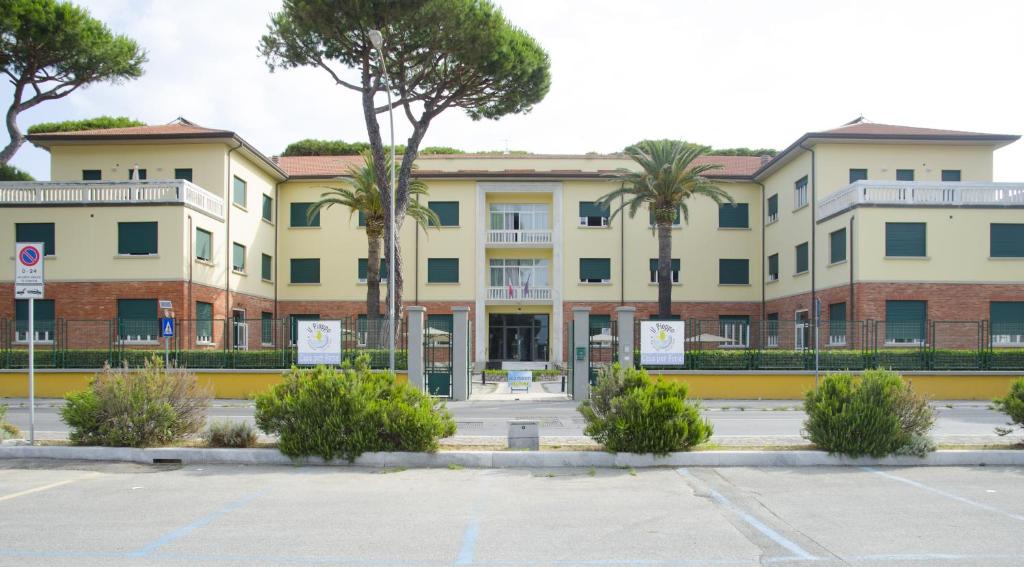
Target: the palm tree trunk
(664, 270)
(373, 277)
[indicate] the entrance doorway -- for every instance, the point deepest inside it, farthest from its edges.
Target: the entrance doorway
(241, 330)
(518, 337)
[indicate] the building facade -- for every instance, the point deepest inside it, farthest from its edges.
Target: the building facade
(882, 223)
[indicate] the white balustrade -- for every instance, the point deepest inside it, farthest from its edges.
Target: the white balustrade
(518, 293)
(111, 192)
(531, 237)
(921, 193)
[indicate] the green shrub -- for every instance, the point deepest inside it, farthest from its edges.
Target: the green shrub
(9, 431)
(630, 412)
(140, 407)
(1012, 405)
(231, 434)
(97, 123)
(875, 415)
(344, 413)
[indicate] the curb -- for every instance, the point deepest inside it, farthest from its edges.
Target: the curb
(513, 459)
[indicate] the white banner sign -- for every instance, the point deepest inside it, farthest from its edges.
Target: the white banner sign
(28, 270)
(662, 343)
(319, 342)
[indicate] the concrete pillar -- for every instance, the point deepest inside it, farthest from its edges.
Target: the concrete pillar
(417, 314)
(460, 353)
(625, 325)
(580, 340)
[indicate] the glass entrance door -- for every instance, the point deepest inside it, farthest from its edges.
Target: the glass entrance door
(518, 337)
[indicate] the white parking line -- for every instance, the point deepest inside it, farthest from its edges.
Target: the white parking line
(797, 551)
(949, 495)
(45, 487)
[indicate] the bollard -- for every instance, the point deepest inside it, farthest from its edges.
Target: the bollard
(524, 435)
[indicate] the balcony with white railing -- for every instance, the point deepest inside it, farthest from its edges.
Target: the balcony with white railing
(111, 193)
(519, 238)
(518, 294)
(922, 194)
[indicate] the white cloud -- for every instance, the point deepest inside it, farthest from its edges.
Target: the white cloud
(747, 73)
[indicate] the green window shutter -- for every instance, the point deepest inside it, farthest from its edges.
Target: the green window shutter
(773, 267)
(299, 212)
(137, 319)
(266, 267)
(734, 216)
(267, 328)
(441, 323)
(184, 173)
(742, 319)
(837, 246)
(592, 209)
(905, 239)
(905, 320)
(598, 323)
(773, 207)
(858, 175)
(1007, 319)
(305, 270)
(1006, 240)
(442, 270)
(362, 218)
(239, 193)
(294, 323)
(801, 258)
(268, 208)
(447, 212)
(837, 323)
(92, 175)
(675, 221)
(595, 270)
(951, 175)
(734, 271)
(383, 273)
(237, 257)
(904, 175)
(204, 322)
(42, 313)
(141, 177)
(37, 232)
(674, 268)
(136, 238)
(204, 245)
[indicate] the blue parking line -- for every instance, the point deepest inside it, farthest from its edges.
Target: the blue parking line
(949, 495)
(797, 551)
(468, 549)
(200, 523)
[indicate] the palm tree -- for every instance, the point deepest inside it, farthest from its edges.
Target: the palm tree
(363, 196)
(666, 180)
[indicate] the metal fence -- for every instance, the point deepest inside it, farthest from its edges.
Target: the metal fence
(850, 345)
(197, 343)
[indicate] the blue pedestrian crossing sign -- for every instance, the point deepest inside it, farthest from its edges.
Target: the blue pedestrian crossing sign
(166, 327)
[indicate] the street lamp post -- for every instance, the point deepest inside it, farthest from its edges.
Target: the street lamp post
(378, 43)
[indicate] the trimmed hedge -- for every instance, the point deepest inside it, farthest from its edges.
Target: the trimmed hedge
(498, 375)
(135, 358)
(836, 359)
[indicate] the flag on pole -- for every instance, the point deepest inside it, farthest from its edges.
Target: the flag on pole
(526, 288)
(511, 291)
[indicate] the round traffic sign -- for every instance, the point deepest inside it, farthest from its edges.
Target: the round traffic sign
(30, 256)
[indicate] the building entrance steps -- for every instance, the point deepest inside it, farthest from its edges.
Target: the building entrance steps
(549, 390)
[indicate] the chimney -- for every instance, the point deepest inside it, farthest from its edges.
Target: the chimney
(765, 159)
(274, 158)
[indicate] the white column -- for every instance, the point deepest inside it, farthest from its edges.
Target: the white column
(482, 273)
(625, 317)
(417, 379)
(460, 353)
(580, 340)
(557, 329)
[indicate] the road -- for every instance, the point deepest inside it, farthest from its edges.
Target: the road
(94, 515)
(560, 418)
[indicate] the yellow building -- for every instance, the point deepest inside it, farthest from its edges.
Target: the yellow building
(881, 223)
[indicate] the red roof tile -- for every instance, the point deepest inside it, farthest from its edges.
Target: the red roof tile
(173, 129)
(317, 166)
(872, 129)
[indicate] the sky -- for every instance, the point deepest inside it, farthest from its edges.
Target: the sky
(725, 73)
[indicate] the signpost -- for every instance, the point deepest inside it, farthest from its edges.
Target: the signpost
(319, 342)
(167, 329)
(519, 380)
(28, 284)
(662, 343)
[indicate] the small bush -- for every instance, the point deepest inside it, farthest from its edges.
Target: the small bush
(344, 413)
(231, 434)
(141, 407)
(630, 412)
(9, 431)
(1012, 405)
(875, 415)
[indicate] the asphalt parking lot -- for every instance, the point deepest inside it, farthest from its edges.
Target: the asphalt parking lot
(119, 514)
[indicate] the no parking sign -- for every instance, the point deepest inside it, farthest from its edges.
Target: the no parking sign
(28, 270)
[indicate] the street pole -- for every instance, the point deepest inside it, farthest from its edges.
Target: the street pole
(378, 43)
(31, 370)
(817, 338)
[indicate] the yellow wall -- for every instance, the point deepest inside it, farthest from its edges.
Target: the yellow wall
(208, 161)
(882, 160)
(249, 229)
(792, 228)
(226, 384)
(957, 246)
(444, 242)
